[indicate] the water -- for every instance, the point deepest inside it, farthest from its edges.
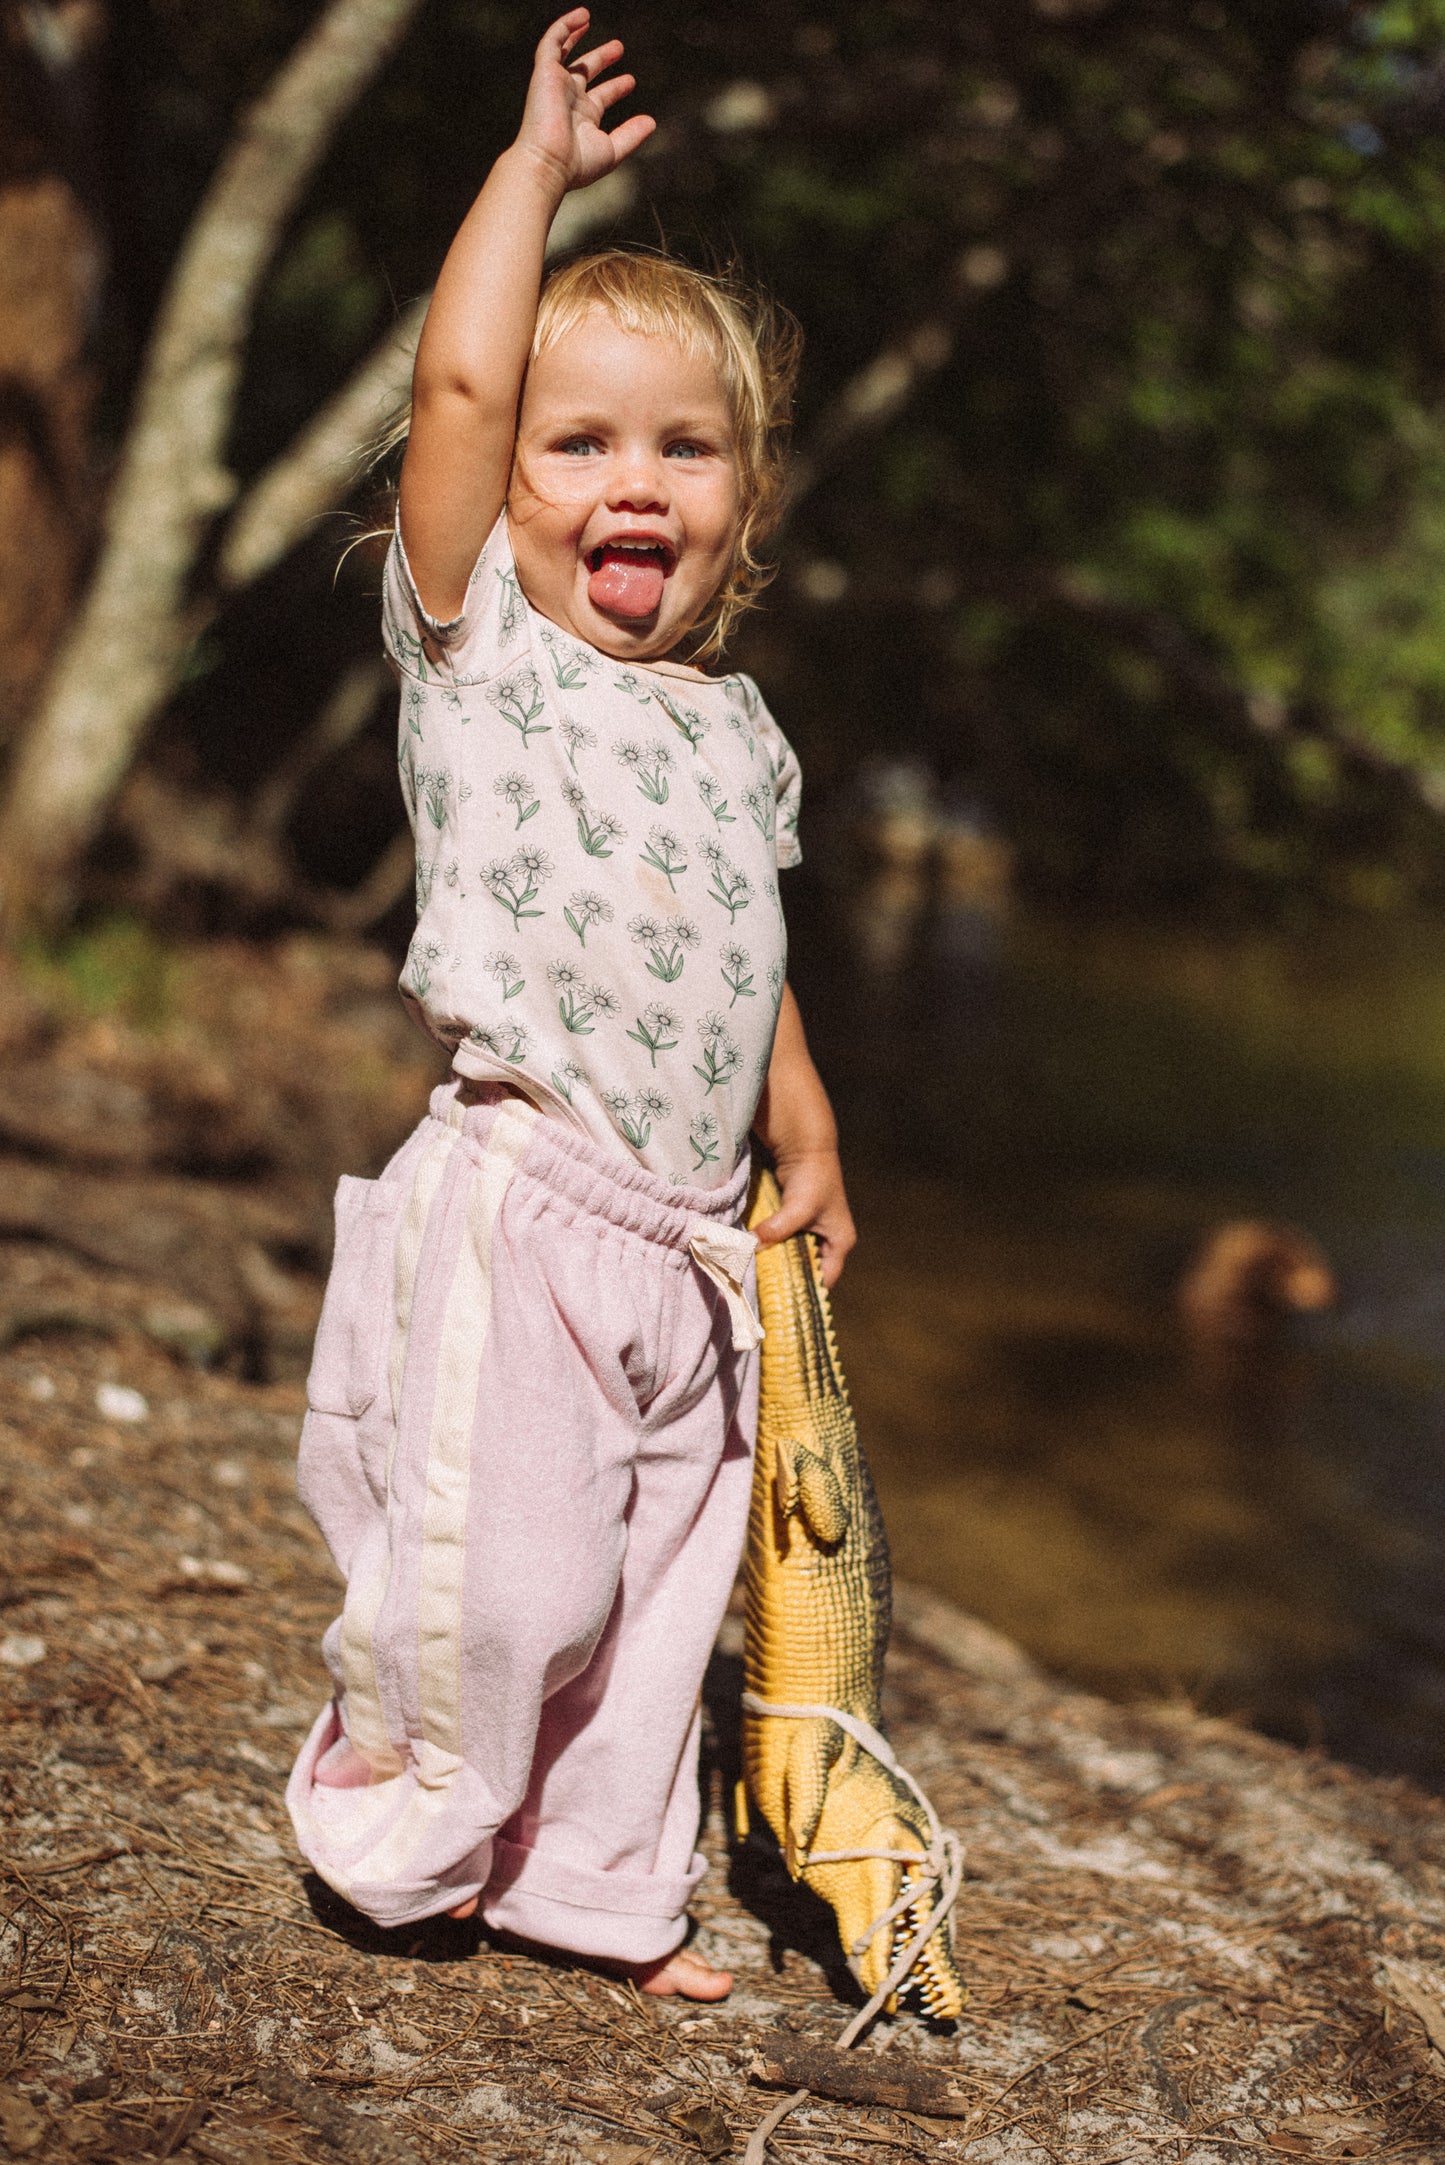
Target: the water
(1041, 1120)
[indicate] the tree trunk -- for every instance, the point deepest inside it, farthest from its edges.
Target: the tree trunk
(123, 652)
(49, 261)
(51, 267)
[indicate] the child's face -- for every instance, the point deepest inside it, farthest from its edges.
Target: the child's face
(623, 502)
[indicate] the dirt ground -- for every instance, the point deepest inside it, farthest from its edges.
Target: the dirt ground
(1183, 1942)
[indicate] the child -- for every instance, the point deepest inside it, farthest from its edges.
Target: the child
(527, 1443)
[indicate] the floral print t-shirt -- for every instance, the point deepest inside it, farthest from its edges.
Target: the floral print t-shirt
(597, 851)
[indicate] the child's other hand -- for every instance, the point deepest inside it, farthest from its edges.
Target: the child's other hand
(814, 1201)
(795, 1121)
(562, 124)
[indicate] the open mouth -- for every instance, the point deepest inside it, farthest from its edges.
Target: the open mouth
(646, 553)
(627, 574)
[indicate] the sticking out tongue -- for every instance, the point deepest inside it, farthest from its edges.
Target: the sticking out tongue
(626, 582)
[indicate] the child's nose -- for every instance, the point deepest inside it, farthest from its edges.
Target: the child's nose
(639, 483)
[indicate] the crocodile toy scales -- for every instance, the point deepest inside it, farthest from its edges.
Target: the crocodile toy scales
(818, 1614)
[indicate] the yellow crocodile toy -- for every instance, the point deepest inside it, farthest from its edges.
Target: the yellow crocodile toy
(819, 1610)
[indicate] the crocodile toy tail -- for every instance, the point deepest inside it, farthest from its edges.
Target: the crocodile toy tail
(819, 1610)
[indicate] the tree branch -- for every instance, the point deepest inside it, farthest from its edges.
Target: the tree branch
(319, 470)
(123, 653)
(193, 842)
(343, 716)
(859, 2078)
(869, 401)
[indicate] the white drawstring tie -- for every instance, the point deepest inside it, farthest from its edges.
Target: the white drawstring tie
(940, 1873)
(725, 1253)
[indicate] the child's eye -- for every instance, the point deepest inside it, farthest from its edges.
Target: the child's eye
(687, 448)
(577, 446)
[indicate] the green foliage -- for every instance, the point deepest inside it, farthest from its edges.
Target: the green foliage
(115, 968)
(323, 287)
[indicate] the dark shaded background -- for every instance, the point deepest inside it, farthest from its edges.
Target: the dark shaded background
(1148, 568)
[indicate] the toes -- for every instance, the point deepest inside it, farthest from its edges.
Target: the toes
(686, 1977)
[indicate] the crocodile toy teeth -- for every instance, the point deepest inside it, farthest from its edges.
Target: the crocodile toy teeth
(819, 1610)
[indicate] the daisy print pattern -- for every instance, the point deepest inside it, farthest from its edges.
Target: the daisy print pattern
(427, 876)
(729, 886)
(666, 942)
(508, 1041)
(571, 664)
(512, 612)
(434, 791)
(703, 1136)
(737, 972)
(578, 738)
(516, 882)
(586, 909)
(709, 788)
(581, 1003)
(567, 1077)
(656, 1028)
(635, 1112)
(648, 764)
(686, 720)
(597, 872)
(762, 808)
(421, 965)
(664, 850)
(721, 1054)
(518, 699)
(598, 832)
(516, 792)
(506, 970)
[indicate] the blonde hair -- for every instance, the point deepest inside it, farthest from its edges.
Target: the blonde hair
(754, 344)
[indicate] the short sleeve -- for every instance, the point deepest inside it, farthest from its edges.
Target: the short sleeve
(473, 644)
(787, 778)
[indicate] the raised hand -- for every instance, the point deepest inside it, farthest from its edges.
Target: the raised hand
(562, 123)
(475, 343)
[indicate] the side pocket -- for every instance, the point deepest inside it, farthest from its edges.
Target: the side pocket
(353, 1338)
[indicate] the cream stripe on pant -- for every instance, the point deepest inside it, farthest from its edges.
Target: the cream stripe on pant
(366, 1724)
(464, 1333)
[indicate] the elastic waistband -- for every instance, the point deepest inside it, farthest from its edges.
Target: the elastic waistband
(617, 1190)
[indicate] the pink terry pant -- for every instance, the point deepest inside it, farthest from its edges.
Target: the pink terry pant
(527, 1448)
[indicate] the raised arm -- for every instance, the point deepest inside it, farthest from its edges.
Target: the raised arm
(478, 331)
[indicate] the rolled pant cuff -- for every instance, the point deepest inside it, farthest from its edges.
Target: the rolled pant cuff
(343, 1834)
(621, 1916)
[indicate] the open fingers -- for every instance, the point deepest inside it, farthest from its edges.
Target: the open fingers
(590, 65)
(560, 37)
(607, 94)
(626, 137)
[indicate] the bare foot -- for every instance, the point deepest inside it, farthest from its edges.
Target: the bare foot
(465, 1909)
(685, 1974)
